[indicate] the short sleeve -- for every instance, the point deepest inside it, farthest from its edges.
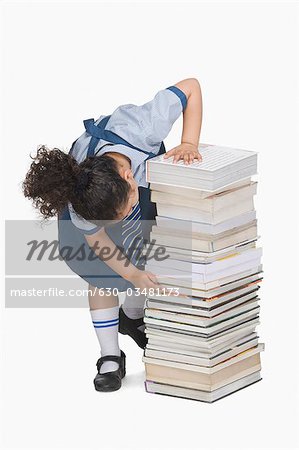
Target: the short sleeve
(83, 225)
(146, 126)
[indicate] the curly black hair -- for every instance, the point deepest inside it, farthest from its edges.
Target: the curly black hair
(94, 187)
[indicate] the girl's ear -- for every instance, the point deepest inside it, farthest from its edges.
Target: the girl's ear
(127, 174)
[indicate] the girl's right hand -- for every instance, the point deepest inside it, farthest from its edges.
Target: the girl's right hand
(143, 279)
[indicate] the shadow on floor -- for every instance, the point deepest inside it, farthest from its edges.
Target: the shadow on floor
(134, 379)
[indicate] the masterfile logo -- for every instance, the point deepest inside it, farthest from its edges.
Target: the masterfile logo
(40, 272)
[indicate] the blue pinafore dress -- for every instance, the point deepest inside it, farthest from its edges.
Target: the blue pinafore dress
(73, 247)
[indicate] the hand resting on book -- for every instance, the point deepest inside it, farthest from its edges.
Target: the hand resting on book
(185, 151)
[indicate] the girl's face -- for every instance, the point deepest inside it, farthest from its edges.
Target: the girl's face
(133, 198)
(124, 166)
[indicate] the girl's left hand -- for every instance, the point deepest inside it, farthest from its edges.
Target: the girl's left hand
(187, 152)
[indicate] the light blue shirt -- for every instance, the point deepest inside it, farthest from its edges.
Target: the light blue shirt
(144, 126)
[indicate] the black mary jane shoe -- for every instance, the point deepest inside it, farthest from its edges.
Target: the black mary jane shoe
(130, 327)
(110, 381)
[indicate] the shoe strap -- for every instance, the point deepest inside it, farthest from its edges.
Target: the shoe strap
(103, 359)
(137, 322)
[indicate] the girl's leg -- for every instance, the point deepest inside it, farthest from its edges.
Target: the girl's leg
(133, 306)
(97, 301)
(104, 313)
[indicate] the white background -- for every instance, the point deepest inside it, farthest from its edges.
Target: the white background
(65, 62)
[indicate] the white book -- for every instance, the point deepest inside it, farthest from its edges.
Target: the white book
(199, 351)
(211, 290)
(197, 288)
(204, 361)
(208, 304)
(167, 324)
(212, 218)
(212, 267)
(201, 321)
(203, 343)
(197, 310)
(200, 395)
(200, 236)
(197, 193)
(219, 167)
(204, 243)
(178, 180)
(210, 204)
(200, 257)
(188, 225)
(197, 279)
(208, 370)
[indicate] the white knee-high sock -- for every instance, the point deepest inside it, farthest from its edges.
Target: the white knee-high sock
(105, 322)
(133, 306)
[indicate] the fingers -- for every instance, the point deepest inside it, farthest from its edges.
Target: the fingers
(153, 278)
(177, 157)
(190, 156)
(169, 153)
(187, 157)
(150, 284)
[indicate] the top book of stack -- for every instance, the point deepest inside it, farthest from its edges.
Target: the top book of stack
(220, 167)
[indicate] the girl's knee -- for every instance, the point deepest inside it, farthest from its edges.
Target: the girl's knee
(101, 298)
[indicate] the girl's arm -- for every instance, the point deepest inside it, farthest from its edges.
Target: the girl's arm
(192, 120)
(118, 262)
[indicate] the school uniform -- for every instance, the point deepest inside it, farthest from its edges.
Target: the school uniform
(138, 133)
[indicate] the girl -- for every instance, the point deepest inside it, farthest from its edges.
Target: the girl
(99, 193)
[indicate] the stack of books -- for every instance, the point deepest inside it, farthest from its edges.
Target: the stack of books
(201, 323)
